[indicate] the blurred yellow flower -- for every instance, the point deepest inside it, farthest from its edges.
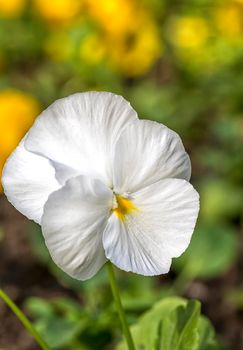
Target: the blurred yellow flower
(93, 49)
(17, 112)
(11, 8)
(113, 15)
(131, 34)
(134, 52)
(58, 11)
(189, 32)
(229, 20)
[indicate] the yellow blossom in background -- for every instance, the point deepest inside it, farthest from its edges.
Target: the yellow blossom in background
(11, 8)
(58, 11)
(131, 34)
(125, 35)
(17, 112)
(134, 52)
(93, 49)
(114, 16)
(229, 20)
(189, 32)
(193, 43)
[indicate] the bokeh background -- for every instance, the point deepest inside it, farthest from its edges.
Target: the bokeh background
(179, 62)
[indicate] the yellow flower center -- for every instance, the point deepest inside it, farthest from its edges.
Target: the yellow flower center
(124, 206)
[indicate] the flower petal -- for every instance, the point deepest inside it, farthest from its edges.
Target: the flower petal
(146, 240)
(28, 179)
(63, 172)
(80, 132)
(74, 219)
(147, 152)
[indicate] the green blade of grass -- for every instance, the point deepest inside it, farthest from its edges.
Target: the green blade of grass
(24, 320)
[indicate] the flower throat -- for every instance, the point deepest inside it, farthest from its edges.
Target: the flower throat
(124, 206)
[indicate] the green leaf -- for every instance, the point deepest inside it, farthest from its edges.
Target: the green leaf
(59, 321)
(173, 324)
(58, 332)
(179, 330)
(68, 306)
(39, 308)
(145, 332)
(207, 339)
(212, 251)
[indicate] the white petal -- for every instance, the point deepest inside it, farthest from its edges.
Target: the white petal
(28, 179)
(63, 172)
(80, 132)
(74, 219)
(147, 152)
(159, 230)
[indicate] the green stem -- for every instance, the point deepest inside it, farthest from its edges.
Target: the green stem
(27, 324)
(120, 310)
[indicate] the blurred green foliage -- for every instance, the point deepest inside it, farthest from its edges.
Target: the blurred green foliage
(212, 251)
(172, 323)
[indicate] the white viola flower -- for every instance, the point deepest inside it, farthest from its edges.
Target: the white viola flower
(104, 185)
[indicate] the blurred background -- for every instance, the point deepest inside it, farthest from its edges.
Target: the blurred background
(179, 62)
